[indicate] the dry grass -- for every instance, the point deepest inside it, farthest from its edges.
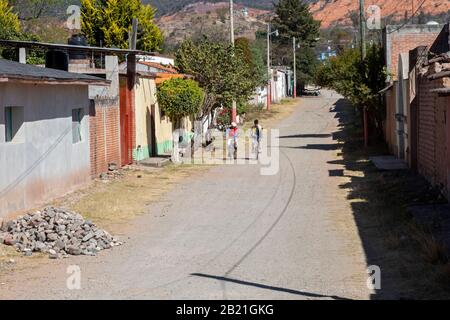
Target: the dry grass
(269, 119)
(413, 264)
(115, 202)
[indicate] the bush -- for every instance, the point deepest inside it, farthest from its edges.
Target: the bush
(179, 98)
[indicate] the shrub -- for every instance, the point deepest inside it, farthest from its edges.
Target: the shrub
(179, 98)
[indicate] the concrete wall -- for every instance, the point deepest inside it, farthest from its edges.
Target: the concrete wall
(145, 98)
(145, 93)
(45, 163)
(279, 86)
(390, 133)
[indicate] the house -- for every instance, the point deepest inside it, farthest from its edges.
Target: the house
(104, 113)
(430, 110)
(111, 124)
(151, 133)
(397, 42)
(44, 134)
(279, 89)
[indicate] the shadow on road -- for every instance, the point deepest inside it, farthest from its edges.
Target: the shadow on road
(267, 287)
(297, 136)
(379, 201)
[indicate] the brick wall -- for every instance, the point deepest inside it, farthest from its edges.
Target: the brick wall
(406, 39)
(432, 140)
(104, 135)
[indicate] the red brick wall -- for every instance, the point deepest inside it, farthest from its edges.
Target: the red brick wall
(404, 42)
(104, 135)
(432, 140)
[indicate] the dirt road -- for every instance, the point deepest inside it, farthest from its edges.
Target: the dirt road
(231, 233)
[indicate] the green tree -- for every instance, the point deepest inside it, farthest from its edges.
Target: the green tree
(179, 98)
(9, 22)
(108, 23)
(220, 69)
(34, 9)
(293, 18)
(358, 82)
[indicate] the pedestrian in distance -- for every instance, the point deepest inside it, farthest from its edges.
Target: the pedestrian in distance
(232, 140)
(256, 134)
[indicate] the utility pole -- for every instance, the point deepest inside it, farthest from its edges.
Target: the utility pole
(362, 25)
(234, 106)
(295, 68)
(269, 83)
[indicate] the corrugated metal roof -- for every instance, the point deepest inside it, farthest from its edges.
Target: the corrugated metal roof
(68, 47)
(12, 70)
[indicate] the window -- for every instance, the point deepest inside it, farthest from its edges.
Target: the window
(13, 123)
(77, 116)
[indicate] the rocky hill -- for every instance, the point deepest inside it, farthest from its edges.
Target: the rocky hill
(188, 17)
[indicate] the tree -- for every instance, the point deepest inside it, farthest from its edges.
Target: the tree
(359, 83)
(34, 9)
(108, 23)
(220, 69)
(10, 29)
(9, 22)
(179, 98)
(294, 19)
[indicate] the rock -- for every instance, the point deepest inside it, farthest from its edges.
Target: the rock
(41, 236)
(59, 244)
(9, 239)
(58, 232)
(27, 252)
(52, 236)
(40, 247)
(7, 226)
(89, 236)
(75, 251)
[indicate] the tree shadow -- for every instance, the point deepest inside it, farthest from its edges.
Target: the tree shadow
(296, 136)
(267, 287)
(379, 202)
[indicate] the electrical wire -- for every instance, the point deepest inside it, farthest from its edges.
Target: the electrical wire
(409, 20)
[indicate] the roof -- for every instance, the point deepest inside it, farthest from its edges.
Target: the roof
(383, 91)
(14, 71)
(68, 47)
(158, 66)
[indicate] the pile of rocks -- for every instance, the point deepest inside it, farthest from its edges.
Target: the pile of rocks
(114, 172)
(57, 232)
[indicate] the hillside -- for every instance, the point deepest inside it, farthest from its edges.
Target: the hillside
(167, 7)
(340, 12)
(211, 18)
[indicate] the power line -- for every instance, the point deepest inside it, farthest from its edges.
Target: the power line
(409, 20)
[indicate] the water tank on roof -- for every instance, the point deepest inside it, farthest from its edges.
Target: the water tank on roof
(432, 23)
(56, 59)
(77, 40)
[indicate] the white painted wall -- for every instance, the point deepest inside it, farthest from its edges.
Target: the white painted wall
(45, 163)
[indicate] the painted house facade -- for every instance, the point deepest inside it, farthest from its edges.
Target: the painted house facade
(44, 134)
(151, 130)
